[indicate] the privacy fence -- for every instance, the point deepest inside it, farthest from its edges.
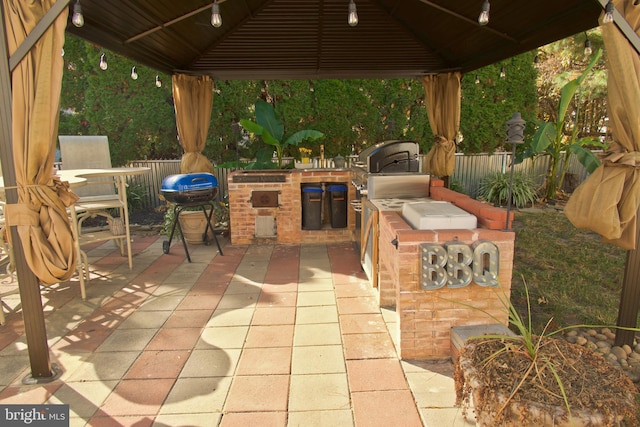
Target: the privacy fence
(469, 172)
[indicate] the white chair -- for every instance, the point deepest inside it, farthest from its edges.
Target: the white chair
(103, 196)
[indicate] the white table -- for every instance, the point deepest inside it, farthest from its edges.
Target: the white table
(91, 206)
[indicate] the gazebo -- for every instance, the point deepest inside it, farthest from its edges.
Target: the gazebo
(198, 42)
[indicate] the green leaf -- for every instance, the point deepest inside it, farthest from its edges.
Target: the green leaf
(589, 160)
(259, 130)
(266, 117)
(570, 88)
(302, 135)
(543, 137)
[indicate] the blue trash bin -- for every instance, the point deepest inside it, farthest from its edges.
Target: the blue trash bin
(311, 207)
(338, 205)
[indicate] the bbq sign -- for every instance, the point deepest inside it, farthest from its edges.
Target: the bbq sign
(456, 264)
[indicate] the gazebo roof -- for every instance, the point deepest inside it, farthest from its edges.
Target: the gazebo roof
(298, 39)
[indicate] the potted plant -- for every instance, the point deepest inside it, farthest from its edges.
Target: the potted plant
(538, 380)
(271, 129)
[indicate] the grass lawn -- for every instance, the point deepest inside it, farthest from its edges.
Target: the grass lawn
(572, 277)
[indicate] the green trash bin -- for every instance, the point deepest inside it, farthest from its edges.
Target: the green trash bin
(338, 205)
(311, 208)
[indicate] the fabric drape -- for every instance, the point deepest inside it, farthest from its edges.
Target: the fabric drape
(193, 97)
(442, 96)
(607, 202)
(40, 214)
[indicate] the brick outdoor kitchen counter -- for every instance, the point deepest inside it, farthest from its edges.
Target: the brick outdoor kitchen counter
(425, 313)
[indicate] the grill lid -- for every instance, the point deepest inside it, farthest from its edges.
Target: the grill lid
(190, 187)
(391, 157)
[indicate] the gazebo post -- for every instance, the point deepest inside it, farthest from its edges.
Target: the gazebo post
(32, 312)
(630, 295)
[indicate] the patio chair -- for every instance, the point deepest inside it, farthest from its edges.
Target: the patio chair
(98, 198)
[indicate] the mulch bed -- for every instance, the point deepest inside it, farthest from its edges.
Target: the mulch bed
(589, 381)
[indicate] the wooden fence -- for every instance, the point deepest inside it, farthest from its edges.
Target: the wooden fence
(469, 172)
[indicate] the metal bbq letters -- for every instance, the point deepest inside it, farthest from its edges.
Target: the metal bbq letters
(433, 260)
(456, 264)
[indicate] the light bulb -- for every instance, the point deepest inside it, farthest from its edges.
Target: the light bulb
(483, 19)
(587, 47)
(503, 73)
(216, 18)
(62, 53)
(103, 62)
(77, 19)
(158, 81)
(608, 13)
(134, 73)
(477, 79)
(353, 14)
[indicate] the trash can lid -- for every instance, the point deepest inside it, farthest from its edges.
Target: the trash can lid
(312, 190)
(337, 187)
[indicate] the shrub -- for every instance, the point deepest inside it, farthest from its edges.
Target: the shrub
(495, 189)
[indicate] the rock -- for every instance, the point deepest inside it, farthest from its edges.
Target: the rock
(634, 374)
(572, 333)
(627, 349)
(602, 344)
(636, 348)
(592, 346)
(604, 350)
(635, 356)
(607, 333)
(592, 332)
(581, 340)
(571, 339)
(619, 353)
(601, 337)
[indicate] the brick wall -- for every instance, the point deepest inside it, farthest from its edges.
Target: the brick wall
(288, 214)
(425, 317)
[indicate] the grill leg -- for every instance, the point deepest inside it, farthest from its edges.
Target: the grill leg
(209, 215)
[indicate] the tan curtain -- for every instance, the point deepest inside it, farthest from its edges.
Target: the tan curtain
(193, 96)
(40, 214)
(607, 202)
(442, 96)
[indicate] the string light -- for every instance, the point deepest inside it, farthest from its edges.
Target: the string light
(477, 79)
(483, 19)
(77, 19)
(103, 62)
(587, 46)
(158, 81)
(216, 18)
(608, 13)
(503, 73)
(134, 73)
(353, 14)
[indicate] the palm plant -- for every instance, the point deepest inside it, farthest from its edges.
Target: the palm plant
(271, 129)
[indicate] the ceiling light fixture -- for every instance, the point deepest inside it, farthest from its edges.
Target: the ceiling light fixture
(608, 13)
(158, 81)
(134, 73)
(353, 14)
(503, 73)
(216, 18)
(77, 19)
(483, 19)
(587, 46)
(103, 62)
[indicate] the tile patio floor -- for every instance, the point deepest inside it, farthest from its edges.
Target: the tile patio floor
(284, 335)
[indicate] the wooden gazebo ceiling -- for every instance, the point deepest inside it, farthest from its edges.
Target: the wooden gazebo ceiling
(299, 39)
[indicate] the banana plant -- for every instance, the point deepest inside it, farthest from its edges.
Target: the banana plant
(551, 139)
(271, 129)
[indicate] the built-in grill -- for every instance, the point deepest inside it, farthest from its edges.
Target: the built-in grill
(193, 191)
(385, 175)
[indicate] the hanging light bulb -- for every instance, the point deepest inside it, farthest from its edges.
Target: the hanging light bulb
(77, 19)
(62, 53)
(587, 47)
(103, 62)
(483, 19)
(503, 73)
(134, 73)
(353, 14)
(216, 18)
(477, 79)
(608, 13)
(158, 81)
